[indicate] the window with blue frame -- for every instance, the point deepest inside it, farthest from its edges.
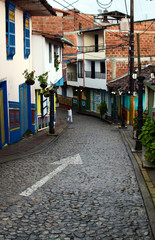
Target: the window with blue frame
(26, 35)
(10, 30)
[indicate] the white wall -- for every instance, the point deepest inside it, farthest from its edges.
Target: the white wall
(69, 92)
(12, 70)
(41, 59)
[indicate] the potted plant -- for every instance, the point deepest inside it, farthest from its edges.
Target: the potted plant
(56, 61)
(147, 138)
(135, 122)
(103, 108)
(29, 76)
(43, 80)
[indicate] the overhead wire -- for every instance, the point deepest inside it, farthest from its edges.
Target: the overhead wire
(104, 5)
(91, 21)
(147, 28)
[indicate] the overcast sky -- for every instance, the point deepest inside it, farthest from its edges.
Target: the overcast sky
(143, 9)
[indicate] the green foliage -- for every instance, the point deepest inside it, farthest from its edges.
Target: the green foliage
(43, 78)
(29, 76)
(103, 108)
(147, 138)
(56, 61)
(145, 116)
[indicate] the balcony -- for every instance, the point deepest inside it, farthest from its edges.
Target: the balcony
(93, 48)
(96, 75)
(72, 77)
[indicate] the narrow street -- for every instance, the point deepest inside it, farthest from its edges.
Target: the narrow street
(82, 186)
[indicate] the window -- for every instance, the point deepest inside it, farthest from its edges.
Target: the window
(102, 67)
(10, 30)
(80, 69)
(80, 26)
(50, 53)
(26, 35)
(96, 43)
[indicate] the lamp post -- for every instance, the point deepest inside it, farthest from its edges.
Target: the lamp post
(115, 109)
(51, 124)
(79, 90)
(138, 146)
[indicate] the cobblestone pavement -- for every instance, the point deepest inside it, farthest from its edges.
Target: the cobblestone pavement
(95, 197)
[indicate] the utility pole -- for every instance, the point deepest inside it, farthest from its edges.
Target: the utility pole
(138, 146)
(131, 46)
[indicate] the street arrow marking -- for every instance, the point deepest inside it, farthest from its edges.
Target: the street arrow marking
(64, 163)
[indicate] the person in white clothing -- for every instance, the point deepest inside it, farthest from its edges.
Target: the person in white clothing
(69, 118)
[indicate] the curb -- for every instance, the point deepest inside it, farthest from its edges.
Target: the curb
(39, 148)
(144, 182)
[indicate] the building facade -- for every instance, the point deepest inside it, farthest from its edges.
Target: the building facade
(17, 106)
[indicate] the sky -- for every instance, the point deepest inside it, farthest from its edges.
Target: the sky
(143, 9)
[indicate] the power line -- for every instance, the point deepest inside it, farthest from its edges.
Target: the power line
(147, 28)
(91, 19)
(104, 5)
(70, 4)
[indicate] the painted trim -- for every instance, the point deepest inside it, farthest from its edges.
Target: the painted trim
(12, 129)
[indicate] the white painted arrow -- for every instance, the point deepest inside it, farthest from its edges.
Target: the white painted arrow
(64, 163)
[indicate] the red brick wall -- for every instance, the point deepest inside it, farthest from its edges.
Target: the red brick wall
(64, 25)
(117, 47)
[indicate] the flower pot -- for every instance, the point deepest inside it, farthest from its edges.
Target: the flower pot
(43, 86)
(29, 81)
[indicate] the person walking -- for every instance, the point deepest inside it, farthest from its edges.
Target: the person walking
(69, 118)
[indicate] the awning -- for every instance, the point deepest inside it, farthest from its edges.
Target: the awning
(60, 82)
(35, 7)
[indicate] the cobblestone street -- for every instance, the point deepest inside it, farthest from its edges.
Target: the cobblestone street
(82, 186)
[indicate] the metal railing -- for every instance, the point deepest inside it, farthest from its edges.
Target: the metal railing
(97, 75)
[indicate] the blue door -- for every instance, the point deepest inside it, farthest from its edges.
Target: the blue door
(25, 107)
(3, 115)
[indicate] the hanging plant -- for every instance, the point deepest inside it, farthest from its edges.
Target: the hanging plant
(46, 93)
(43, 80)
(29, 77)
(56, 61)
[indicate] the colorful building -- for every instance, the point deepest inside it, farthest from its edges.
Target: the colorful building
(17, 105)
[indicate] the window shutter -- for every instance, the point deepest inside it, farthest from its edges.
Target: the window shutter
(10, 30)
(26, 35)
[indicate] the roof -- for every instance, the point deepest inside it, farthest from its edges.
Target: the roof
(65, 13)
(56, 37)
(114, 14)
(122, 83)
(92, 29)
(35, 7)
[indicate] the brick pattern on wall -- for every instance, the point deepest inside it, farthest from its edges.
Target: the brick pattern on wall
(117, 47)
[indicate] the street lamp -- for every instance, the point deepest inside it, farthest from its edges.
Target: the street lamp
(79, 90)
(52, 91)
(115, 107)
(138, 146)
(123, 109)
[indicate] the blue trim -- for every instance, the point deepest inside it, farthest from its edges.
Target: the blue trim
(29, 106)
(10, 31)
(26, 36)
(3, 85)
